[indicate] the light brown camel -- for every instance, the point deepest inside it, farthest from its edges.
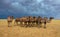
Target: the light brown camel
(9, 20)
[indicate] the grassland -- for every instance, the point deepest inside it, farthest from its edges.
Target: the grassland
(52, 30)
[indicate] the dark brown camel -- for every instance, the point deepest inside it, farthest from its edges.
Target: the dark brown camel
(50, 19)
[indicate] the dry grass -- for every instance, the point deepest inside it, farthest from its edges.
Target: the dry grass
(52, 30)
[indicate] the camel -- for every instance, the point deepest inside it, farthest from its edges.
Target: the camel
(22, 20)
(29, 21)
(25, 21)
(17, 20)
(39, 20)
(34, 21)
(45, 20)
(50, 19)
(9, 20)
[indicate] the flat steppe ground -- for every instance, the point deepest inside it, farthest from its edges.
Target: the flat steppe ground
(52, 30)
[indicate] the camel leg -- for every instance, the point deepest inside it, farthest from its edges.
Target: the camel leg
(33, 23)
(40, 24)
(17, 23)
(44, 24)
(30, 24)
(9, 24)
(23, 24)
(27, 24)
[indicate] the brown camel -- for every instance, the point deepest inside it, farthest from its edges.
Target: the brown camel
(39, 20)
(18, 20)
(45, 20)
(9, 20)
(23, 20)
(34, 21)
(29, 20)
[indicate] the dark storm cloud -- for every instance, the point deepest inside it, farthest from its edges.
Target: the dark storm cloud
(30, 7)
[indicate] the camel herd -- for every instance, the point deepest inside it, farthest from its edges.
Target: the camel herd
(29, 21)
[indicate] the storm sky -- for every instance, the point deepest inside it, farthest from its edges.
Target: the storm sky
(19, 8)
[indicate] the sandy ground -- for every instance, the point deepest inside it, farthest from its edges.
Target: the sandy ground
(52, 30)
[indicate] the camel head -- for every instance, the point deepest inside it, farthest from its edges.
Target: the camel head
(51, 18)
